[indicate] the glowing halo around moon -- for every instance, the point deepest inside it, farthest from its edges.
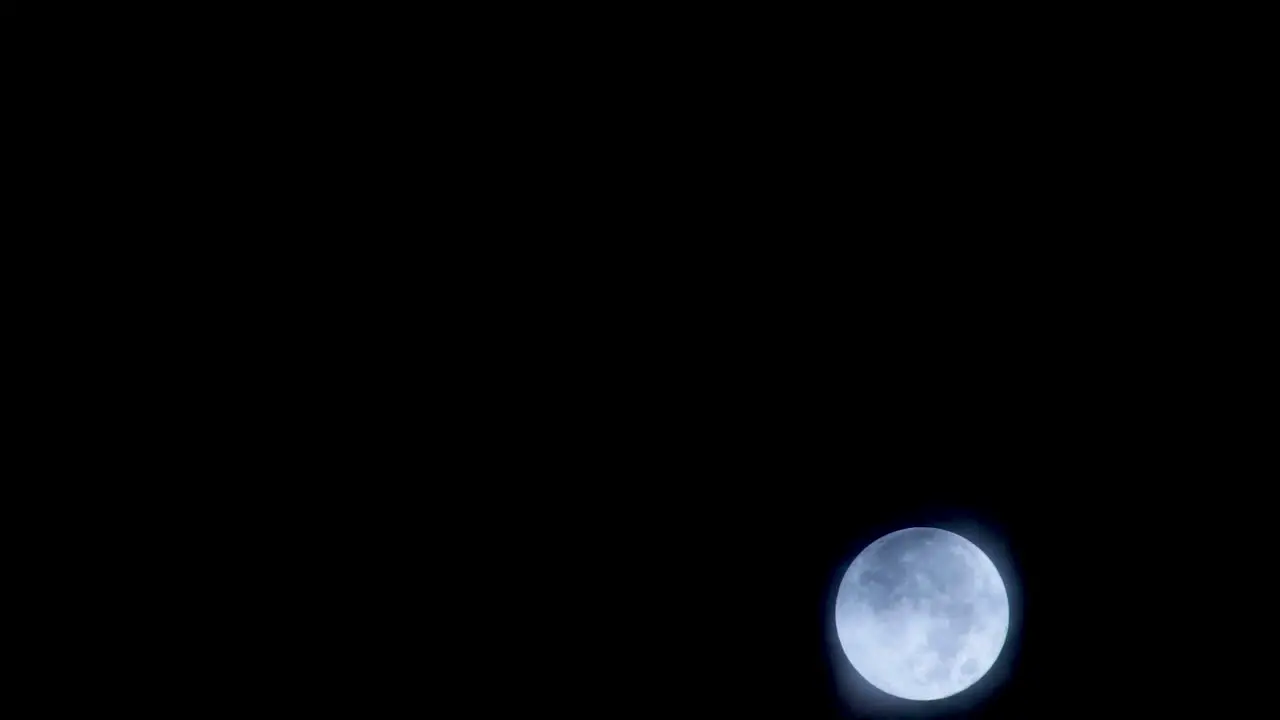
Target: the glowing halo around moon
(922, 613)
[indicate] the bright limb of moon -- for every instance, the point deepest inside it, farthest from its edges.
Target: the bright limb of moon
(922, 613)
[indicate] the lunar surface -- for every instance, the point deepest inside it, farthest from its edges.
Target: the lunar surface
(922, 613)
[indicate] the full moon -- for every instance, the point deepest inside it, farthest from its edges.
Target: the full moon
(922, 613)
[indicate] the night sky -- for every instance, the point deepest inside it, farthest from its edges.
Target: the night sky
(907, 307)
(713, 590)
(700, 563)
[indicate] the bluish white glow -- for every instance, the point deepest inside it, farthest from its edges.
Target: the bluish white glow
(922, 613)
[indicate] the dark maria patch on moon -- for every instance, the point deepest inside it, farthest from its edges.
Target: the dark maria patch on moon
(961, 616)
(946, 641)
(920, 563)
(969, 667)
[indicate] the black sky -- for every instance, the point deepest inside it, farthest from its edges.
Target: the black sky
(707, 585)
(707, 493)
(675, 455)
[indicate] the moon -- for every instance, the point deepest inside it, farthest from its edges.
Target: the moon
(922, 613)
